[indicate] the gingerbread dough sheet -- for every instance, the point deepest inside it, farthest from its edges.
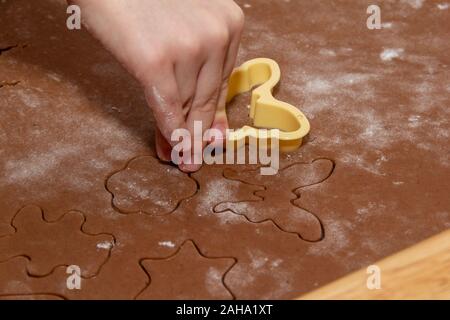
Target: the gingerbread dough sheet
(80, 184)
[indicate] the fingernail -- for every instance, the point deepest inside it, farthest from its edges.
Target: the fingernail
(190, 167)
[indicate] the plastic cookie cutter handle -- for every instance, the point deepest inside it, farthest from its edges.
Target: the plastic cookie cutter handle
(266, 111)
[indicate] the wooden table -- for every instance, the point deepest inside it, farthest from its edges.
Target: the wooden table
(418, 272)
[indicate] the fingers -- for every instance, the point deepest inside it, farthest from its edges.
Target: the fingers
(207, 91)
(203, 108)
(187, 70)
(236, 21)
(163, 98)
(194, 88)
(212, 85)
(221, 120)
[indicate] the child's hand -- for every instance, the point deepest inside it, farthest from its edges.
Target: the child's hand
(181, 51)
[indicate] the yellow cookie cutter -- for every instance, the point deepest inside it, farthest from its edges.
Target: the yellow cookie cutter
(266, 111)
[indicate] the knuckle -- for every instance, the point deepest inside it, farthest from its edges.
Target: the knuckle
(190, 46)
(217, 35)
(149, 65)
(155, 59)
(237, 18)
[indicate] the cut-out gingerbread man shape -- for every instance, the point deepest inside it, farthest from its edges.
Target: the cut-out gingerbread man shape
(138, 187)
(214, 189)
(281, 190)
(187, 275)
(51, 244)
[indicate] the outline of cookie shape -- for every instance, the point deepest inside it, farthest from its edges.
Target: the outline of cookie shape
(58, 243)
(276, 201)
(187, 274)
(138, 188)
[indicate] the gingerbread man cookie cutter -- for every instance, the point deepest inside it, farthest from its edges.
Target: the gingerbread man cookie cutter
(266, 112)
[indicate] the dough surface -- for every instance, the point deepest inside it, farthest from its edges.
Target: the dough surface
(372, 178)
